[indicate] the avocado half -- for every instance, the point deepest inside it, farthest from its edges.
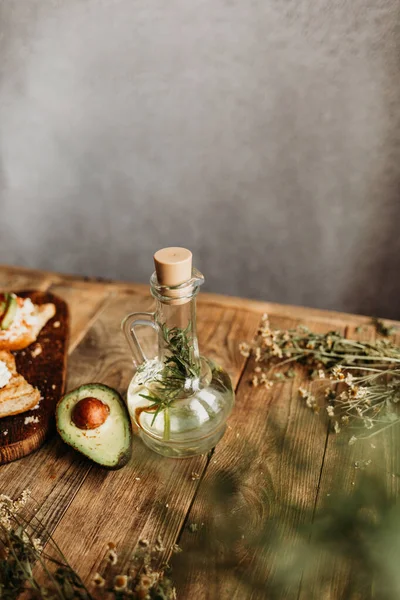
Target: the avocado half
(94, 420)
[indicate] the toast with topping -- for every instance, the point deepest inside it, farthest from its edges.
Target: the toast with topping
(21, 321)
(16, 394)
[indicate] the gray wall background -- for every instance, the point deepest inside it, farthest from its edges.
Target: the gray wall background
(264, 135)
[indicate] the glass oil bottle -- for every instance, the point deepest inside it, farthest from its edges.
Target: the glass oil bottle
(179, 401)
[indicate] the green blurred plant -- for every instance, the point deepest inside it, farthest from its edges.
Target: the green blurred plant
(33, 565)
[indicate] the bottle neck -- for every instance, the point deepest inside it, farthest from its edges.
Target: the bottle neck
(177, 333)
(175, 316)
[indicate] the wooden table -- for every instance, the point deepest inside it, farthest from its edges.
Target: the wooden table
(85, 507)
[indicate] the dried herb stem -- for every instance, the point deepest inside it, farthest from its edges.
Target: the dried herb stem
(21, 554)
(363, 382)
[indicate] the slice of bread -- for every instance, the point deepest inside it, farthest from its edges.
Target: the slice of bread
(29, 321)
(17, 395)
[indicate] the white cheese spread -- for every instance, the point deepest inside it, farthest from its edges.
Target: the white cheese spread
(24, 319)
(5, 374)
(31, 420)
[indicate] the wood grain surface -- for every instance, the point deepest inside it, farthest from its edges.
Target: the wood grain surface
(152, 494)
(273, 453)
(24, 433)
(278, 460)
(377, 456)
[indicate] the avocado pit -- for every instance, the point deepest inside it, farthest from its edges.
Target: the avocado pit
(89, 413)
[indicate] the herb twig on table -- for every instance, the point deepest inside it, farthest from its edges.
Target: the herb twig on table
(362, 378)
(29, 569)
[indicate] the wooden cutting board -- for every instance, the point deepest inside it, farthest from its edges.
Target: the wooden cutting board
(46, 371)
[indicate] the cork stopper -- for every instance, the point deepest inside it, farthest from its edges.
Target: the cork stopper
(173, 266)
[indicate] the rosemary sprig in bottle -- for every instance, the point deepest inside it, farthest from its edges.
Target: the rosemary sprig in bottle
(179, 366)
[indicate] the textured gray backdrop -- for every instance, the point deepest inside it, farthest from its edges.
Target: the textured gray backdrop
(264, 135)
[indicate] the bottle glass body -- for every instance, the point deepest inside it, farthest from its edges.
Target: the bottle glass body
(179, 401)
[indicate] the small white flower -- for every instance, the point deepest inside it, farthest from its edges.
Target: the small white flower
(321, 374)
(112, 557)
(337, 372)
(244, 349)
(145, 582)
(330, 410)
(159, 546)
(37, 544)
(276, 351)
(352, 440)
(120, 583)
(311, 401)
(362, 392)
(99, 581)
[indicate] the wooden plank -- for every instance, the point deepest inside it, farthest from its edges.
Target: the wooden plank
(56, 474)
(85, 302)
(14, 279)
(330, 317)
(344, 466)
(151, 495)
(83, 298)
(51, 471)
(46, 372)
(273, 469)
(220, 330)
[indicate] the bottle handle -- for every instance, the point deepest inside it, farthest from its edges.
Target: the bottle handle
(128, 327)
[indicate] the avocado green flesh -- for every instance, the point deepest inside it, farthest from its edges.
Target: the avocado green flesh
(10, 312)
(108, 445)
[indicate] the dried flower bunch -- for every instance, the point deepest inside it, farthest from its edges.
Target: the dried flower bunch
(362, 379)
(21, 551)
(140, 580)
(26, 567)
